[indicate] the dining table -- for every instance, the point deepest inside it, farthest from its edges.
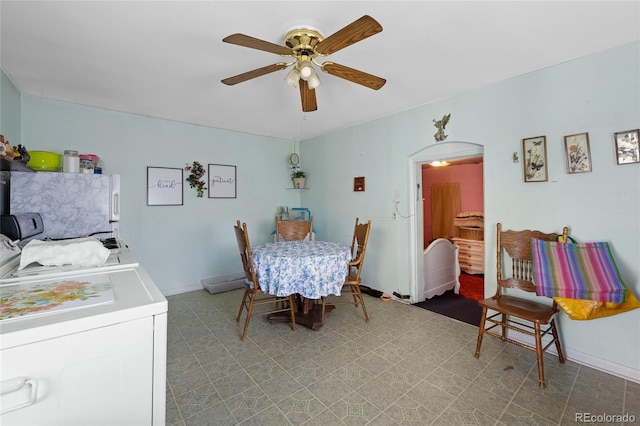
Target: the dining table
(309, 269)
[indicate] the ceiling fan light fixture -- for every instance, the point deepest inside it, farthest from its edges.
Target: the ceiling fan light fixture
(292, 78)
(313, 81)
(306, 70)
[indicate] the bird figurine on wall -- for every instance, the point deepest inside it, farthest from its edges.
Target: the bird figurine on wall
(440, 125)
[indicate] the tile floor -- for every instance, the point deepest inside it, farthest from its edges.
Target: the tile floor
(407, 366)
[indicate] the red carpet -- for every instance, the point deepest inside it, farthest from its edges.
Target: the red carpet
(472, 286)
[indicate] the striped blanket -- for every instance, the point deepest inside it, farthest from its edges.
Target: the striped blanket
(576, 271)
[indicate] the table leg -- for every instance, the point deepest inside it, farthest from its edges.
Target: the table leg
(308, 313)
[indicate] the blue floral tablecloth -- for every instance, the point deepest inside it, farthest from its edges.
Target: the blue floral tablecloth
(309, 268)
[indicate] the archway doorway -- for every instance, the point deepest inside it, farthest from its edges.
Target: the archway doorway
(437, 152)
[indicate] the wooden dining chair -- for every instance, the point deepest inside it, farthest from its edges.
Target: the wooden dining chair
(252, 286)
(351, 285)
(531, 317)
(294, 230)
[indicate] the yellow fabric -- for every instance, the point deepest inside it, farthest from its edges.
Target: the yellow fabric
(578, 309)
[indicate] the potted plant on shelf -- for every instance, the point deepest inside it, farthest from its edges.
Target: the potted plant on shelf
(298, 178)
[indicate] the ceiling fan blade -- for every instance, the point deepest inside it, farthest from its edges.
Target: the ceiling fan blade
(354, 32)
(253, 74)
(308, 97)
(355, 76)
(255, 43)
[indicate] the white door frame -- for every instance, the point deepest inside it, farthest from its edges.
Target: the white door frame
(439, 151)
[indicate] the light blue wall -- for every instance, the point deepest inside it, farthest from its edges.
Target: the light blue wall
(9, 110)
(179, 246)
(599, 94)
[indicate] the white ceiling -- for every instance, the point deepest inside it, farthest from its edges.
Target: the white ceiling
(166, 59)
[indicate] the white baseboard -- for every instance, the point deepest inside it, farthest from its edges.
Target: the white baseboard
(212, 285)
(585, 359)
(600, 364)
(180, 290)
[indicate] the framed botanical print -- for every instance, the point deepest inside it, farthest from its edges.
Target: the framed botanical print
(534, 152)
(627, 150)
(577, 153)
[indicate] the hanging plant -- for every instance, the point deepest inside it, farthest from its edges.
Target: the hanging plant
(196, 173)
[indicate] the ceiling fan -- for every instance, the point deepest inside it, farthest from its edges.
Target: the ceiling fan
(303, 45)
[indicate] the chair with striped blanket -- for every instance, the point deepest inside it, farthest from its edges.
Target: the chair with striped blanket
(532, 315)
(577, 271)
(582, 278)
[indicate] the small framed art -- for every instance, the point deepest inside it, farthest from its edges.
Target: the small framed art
(577, 153)
(627, 149)
(534, 152)
(222, 181)
(358, 184)
(164, 186)
(298, 213)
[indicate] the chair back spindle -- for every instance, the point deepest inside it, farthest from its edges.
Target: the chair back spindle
(516, 245)
(351, 285)
(244, 247)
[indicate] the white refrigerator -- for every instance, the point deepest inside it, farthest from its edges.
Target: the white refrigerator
(72, 205)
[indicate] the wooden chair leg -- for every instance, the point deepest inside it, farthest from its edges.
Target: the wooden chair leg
(503, 323)
(324, 304)
(249, 312)
(483, 318)
(355, 289)
(539, 354)
(293, 313)
(364, 308)
(242, 305)
(554, 331)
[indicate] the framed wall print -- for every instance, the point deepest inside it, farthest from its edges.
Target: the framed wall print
(164, 186)
(534, 152)
(577, 153)
(300, 214)
(358, 184)
(627, 149)
(222, 181)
